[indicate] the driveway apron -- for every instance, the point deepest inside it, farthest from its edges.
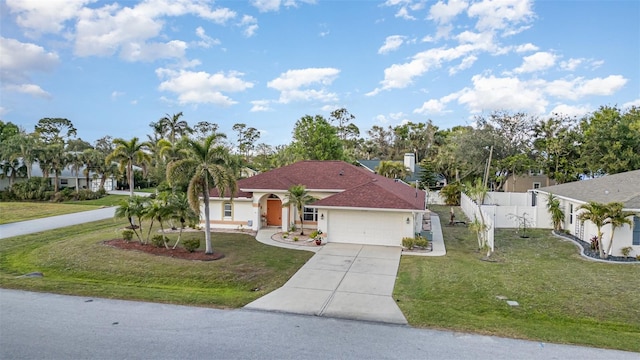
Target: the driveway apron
(347, 281)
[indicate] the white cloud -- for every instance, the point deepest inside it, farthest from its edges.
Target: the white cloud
(116, 94)
(205, 40)
(570, 110)
(466, 63)
(528, 47)
(201, 87)
(494, 15)
(508, 93)
(290, 84)
(571, 64)
(444, 13)
(29, 89)
(130, 31)
(577, 88)
(260, 106)
(629, 104)
(4, 111)
(19, 60)
(250, 24)
(41, 17)
(536, 62)
(391, 43)
(266, 5)
(432, 106)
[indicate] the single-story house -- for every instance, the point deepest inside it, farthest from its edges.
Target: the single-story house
(414, 171)
(622, 187)
(67, 179)
(353, 206)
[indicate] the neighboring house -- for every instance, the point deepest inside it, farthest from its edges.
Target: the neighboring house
(414, 170)
(525, 182)
(623, 187)
(246, 172)
(354, 206)
(67, 179)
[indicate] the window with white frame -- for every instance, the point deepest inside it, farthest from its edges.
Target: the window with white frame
(227, 209)
(309, 214)
(570, 213)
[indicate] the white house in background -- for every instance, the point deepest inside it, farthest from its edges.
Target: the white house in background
(354, 206)
(623, 188)
(67, 179)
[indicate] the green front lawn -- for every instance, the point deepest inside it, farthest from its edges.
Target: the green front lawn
(563, 298)
(74, 261)
(21, 211)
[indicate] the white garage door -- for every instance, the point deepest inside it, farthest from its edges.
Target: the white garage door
(367, 227)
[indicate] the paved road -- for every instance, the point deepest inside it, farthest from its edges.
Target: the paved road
(39, 325)
(54, 222)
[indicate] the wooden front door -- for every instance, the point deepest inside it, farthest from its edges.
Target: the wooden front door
(274, 212)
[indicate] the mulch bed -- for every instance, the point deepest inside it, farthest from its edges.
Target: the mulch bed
(588, 251)
(178, 253)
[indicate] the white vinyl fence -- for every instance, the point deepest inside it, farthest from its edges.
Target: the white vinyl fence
(472, 211)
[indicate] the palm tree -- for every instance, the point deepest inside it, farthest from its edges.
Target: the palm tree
(477, 192)
(299, 198)
(128, 154)
(617, 218)
(598, 214)
(557, 214)
(157, 210)
(392, 169)
(181, 211)
(131, 208)
(206, 166)
(174, 126)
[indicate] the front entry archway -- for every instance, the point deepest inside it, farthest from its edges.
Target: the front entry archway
(274, 212)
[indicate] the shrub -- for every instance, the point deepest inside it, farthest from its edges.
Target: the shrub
(158, 240)
(191, 245)
(626, 251)
(594, 244)
(421, 241)
(127, 235)
(408, 242)
(314, 234)
(295, 238)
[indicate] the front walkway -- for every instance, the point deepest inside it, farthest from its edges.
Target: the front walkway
(343, 281)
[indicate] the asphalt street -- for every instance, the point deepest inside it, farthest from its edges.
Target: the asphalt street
(49, 326)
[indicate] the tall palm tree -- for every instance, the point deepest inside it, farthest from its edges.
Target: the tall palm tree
(617, 218)
(128, 154)
(298, 197)
(206, 166)
(174, 126)
(598, 214)
(477, 192)
(556, 212)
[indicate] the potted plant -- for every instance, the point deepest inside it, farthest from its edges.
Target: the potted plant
(318, 237)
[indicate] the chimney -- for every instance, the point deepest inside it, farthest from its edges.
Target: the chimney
(410, 161)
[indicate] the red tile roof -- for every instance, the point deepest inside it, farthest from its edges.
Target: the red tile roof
(359, 187)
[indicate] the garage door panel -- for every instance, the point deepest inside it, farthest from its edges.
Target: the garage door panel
(366, 227)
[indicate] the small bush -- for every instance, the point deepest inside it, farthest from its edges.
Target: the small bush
(408, 242)
(626, 251)
(313, 234)
(421, 241)
(594, 244)
(158, 240)
(191, 245)
(295, 238)
(127, 235)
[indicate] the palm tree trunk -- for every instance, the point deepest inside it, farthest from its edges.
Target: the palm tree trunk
(600, 245)
(207, 225)
(130, 173)
(608, 252)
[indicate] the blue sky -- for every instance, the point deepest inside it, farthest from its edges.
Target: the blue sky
(114, 67)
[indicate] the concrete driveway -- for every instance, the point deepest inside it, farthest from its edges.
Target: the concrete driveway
(342, 281)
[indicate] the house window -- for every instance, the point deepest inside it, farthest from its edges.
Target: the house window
(310, 214)
(636, 231)
(570, 213)
(64, 182)
(227, 209)
(536, 185)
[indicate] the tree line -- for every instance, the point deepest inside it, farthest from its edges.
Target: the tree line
(606, 141)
